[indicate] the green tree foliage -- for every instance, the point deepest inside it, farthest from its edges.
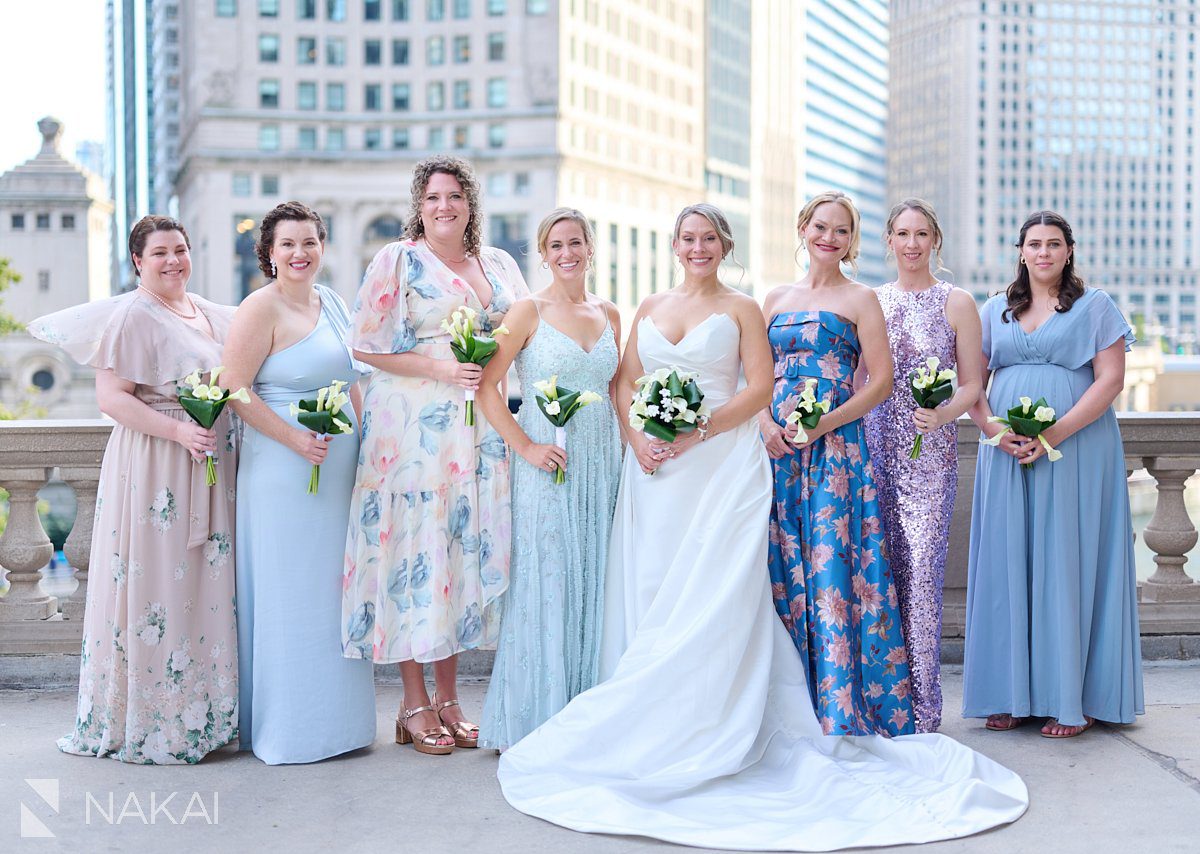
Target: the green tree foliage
(8, 278)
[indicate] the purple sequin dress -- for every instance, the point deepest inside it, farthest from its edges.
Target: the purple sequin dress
(917, 496)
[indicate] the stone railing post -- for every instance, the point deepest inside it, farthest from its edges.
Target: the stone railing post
(25, 549)
(78, 547)
(1170, 533)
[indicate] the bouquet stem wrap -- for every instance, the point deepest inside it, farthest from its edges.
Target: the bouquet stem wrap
(560, 439)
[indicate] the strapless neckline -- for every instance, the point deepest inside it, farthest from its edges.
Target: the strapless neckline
(687, 334)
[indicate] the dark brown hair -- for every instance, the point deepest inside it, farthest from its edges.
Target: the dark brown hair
(147, 225)
(286, 212)
(464, 173)
(1070, 288)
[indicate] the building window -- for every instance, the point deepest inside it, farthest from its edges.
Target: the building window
(435, 95)
(372, 52)
(633, 263)
(268, 48)
(226, 8)
(43, 378)
(461, 136)
(401, 97)
(612, 262)
(462, 48)
(462, 94)
(306, 95)
(241, 184)
(268, 138)
(268, 8)
(435, 10)
(462, 9)
(372, 10)
(335, 51)
(508, 233)
(399, 51)
(268, 93)
(521, 184)
(18, 222)
(654, 262)
(437, 139)
(43, 222)
(400, 138)
(68, 222)
(43, 286)
(306, 139)
(400, 10)
(335, 10)
(306, 50)
(335, 139)
(537, 7)
(496, 8)
(372, 139)
(372, 96)
(335, 96)
(269, 185)
(306, 10)
(495, 136)
(496, 47)
(435, 50)
(497, 92)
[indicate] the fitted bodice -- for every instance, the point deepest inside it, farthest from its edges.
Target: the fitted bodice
(553, 353)
(817, 344)
(917, 329)
(710, 350)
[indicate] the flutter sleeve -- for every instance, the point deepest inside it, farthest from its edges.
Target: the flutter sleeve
(339, 318)
(380, 322)
(1104, 325)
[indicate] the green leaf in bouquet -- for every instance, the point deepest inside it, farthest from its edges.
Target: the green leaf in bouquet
(692, 394)
(318, 422)
(566, 400)
(675, 385)
(809, 421)
(203, 412)
(665, 432)
(940, 393)
(483, 350)
(459, 353)
(654, 393)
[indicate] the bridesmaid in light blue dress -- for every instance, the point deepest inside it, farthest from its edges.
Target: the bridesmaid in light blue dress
(549, 647)
(301, 700)
(1052, 624)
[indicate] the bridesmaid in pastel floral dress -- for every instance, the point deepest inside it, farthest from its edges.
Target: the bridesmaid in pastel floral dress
(158, 670)
(427, 552)
(830, 578)
(549, 648)
(925, 317)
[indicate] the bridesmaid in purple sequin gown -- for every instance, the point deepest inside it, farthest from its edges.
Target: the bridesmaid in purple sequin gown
(925, 317)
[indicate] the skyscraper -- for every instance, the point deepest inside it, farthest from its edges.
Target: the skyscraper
(1000, 109)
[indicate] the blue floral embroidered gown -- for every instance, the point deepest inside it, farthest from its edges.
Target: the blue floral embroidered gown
(549, 647)
(829, 572)
(1052, 622)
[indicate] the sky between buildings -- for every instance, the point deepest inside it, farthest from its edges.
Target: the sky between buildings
(52, 64)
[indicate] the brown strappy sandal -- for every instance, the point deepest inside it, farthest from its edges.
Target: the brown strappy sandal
(425, 741)
(466, 734)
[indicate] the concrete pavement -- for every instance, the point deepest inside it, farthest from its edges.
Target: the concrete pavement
(1121, 790)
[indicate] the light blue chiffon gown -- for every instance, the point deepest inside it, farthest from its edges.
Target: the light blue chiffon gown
(300, 699)
(1052, 624)
(549, 647)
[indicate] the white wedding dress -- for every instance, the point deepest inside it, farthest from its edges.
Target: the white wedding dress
(702, 731)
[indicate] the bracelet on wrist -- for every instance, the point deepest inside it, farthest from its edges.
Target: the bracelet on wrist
(702, 426)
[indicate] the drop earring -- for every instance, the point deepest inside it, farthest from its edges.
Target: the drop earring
(274, 273)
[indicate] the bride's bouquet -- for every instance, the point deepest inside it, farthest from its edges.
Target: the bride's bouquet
(666, 403)
(320, 415)
(470, 345)
(558, 404)
(1029, 418)
(930, 387)
(808, 411)
(204, 403)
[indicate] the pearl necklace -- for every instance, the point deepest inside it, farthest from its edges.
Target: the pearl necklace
(195, 311)
(446, 260)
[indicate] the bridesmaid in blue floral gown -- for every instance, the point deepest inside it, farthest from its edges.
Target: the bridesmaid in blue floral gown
(549, 647)
(1052, 622)
(828, 563)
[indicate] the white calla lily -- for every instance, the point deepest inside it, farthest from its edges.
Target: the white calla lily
(1044, 414)
(215, 392)
(1025, 404)
(553, 407)
(200, 390)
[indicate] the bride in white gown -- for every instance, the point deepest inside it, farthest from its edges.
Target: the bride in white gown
(702, 731)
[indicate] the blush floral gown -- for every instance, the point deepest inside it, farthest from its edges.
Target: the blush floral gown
(158, 674)
(828, 563)
(427, 551)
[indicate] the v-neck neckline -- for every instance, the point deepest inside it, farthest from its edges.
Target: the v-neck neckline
(466, 282)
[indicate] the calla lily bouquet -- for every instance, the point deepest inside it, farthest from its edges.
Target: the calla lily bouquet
(808, 412)
(666, 403)
(1029, 418)
(204, 402)
(930, 387)
(559, 403)
(470, 345)
(324, 417)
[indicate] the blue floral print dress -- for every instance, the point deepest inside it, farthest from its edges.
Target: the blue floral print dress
(829, 572)
(427, 550)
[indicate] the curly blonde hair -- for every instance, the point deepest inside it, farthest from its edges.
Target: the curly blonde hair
(464, 173)
(837, 197)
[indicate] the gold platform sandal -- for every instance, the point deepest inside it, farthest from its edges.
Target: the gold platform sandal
(425, 741)
(466, 734)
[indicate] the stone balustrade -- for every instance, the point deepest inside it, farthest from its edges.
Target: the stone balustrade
(1166, 445)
